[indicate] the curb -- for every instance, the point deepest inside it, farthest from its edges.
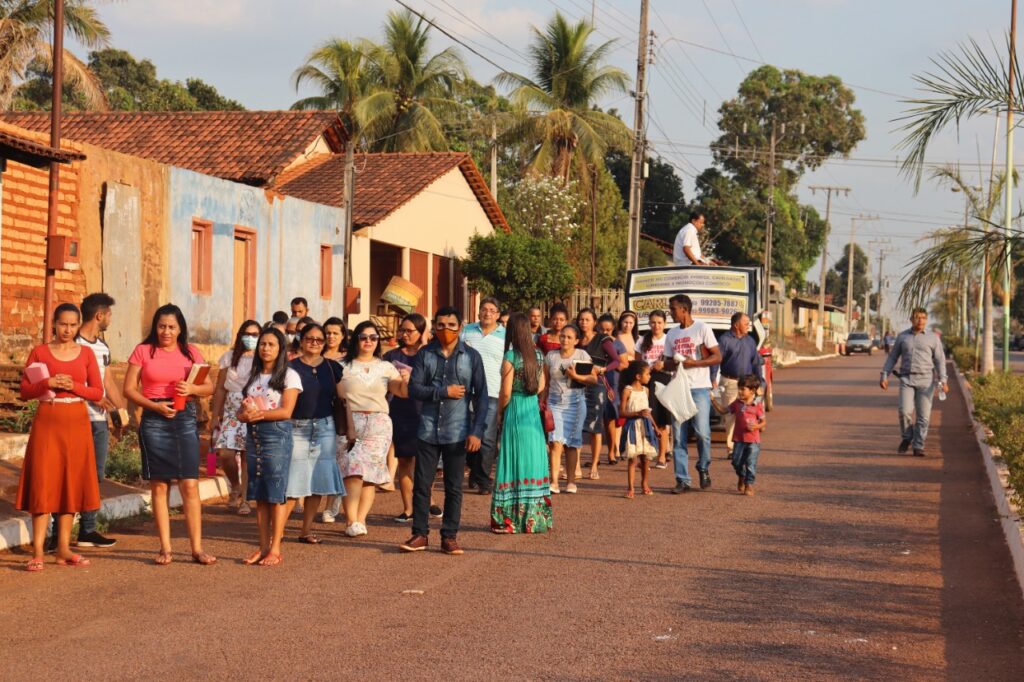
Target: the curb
(797, 359)
(1011, 522)
(17, 531)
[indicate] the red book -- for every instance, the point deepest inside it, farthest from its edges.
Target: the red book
(198, 374)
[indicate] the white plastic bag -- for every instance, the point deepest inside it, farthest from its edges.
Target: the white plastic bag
(676, 398)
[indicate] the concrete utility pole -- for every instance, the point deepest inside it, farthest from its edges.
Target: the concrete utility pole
(885, 248)
(850, 268)
(1008, 265)
(636, 171)
(824, 252)
(52, 206)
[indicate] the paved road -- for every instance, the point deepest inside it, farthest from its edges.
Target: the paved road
(851, 563)
(1016, 360)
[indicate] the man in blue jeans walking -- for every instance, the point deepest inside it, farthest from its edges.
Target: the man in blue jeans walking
(692, 348)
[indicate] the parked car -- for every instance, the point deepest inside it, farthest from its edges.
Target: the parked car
(859, 342)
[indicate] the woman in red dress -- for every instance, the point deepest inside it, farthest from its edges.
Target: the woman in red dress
(59, 472)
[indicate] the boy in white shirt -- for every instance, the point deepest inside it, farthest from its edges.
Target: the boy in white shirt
(692, 348)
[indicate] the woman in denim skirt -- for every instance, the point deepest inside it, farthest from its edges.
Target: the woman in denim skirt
(565, 397)
(314, 470)
(270, 396)
(169, 437)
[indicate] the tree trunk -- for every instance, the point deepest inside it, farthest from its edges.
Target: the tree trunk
(988, 350)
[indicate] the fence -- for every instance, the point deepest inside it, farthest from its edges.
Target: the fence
(601, 300)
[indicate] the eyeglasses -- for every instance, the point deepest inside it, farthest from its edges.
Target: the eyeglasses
(313, 340)
(403, 330)
(373, 338)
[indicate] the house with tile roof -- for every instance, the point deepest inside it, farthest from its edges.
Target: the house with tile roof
(412, 216)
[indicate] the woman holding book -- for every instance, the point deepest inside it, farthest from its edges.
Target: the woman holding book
(567, 372)
(270, 395)
(58, 475)
(601, 349)
(157, 380)
(235, 368)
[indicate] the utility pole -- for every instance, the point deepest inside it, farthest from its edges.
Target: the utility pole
(53, 198)
(770, 219)
(1008, 265)
(884, 249)
(849, 268)
(824, 253)
(639, 145)
(494, 159)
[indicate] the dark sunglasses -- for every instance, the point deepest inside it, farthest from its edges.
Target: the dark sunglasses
(369, 337)
(313, 340)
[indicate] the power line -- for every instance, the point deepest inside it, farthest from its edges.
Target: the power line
(472, 25)
(433, 23)
(725, 41)
(744, 23)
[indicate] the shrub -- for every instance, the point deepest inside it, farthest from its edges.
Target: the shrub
(999, 404)
(20, 420)
(124, 461)
(965, 358)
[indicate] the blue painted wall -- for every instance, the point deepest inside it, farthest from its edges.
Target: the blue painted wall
(289, 233)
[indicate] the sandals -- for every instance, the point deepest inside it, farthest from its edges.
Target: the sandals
(571, 488)
(244, 509)
(629, 495)
(203, 559)
(163, 559)
(594, 476)
(271, 560)
(254, 558)
(234, 500)
(34, 565)
(74, 561)
(648, 491)
(310, 539)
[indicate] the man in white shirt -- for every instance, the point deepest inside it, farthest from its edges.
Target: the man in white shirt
(692, 348)
(686, 250)
(487, 337)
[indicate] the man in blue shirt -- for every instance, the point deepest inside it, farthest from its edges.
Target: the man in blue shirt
(447, 378)
(487, 337)
(739, 358)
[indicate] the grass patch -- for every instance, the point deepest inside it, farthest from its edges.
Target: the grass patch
(124, 460)
(20, 421)
(999, 404)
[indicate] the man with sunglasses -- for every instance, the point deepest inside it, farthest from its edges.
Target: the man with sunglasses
(448, 379)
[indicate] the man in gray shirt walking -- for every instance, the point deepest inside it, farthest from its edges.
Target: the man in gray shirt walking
(922, 362)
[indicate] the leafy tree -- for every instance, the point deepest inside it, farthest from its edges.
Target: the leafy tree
(518, 269)
(604, 204)
(415, 90)
(26, 29)
(208, 99)
(665, 209)
(836, 282)
(338, 69)
(569, 136)
(650, 255)
(541, 206)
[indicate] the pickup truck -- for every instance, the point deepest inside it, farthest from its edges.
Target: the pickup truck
(717, 292)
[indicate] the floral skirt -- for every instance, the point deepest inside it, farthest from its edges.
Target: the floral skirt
(368, 458)
(231, 435)
(521, 502)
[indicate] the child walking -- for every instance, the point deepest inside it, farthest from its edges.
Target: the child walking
(750, 422)
(639, 439)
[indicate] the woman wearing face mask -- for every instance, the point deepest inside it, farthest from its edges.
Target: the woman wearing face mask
(652, 350)
(235, 368)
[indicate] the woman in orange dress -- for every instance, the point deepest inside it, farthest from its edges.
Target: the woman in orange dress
(59, 472)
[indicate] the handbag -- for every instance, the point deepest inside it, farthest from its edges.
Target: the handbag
(547, 418)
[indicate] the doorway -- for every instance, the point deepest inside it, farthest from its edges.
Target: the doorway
(243, 306)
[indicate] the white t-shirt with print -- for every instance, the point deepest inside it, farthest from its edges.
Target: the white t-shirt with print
(272, 397)
(236, 377)
(687, 342)
(655, 352)
(686, 237)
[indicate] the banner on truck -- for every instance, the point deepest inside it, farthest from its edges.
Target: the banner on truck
(715, 309)
(716, 292)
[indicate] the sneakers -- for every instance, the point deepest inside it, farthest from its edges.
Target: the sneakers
(450, 546)
(327, 516)
(355, 530)
(705, 479)
(436, 512)
(417, 543)
(749, 489)
(918, 452)
(94, 539)
(402, 518)
(904, 446)
(681, 488)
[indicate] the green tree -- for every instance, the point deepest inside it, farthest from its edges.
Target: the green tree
(665, 208)
(416, 90)
(541, 206)
(835, 281)
(650, 255)
(603, 205)
(567, 135)
(338, 70)
(518, 269)
(26, 29)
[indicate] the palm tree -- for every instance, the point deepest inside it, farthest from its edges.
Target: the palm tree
(569, 136)
(338, 69)
(26, 29)
(415, 90)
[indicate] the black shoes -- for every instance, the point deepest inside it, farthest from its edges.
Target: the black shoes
(904, 446)
(402, 518)
(436, 512)
(94, 539)
(680, 488)
(705, 479)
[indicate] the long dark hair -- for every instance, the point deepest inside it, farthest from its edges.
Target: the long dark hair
(336, 322)
(152, 339)
(353, 342)
(519, 338)
(417, 321)
(636, 321)
(645, 345)
(280, 369)
(631, 372)
(238, 349)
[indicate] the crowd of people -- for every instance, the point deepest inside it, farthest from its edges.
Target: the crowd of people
(305, 415)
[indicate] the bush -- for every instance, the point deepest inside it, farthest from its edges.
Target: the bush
(965, 358)
(999, 404)
(124, 461)
(20, 420)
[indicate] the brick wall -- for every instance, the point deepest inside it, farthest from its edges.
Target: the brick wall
(23, 252)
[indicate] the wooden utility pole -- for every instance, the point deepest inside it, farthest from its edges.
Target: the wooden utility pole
(770, 219)
(494, 159)
(636, 170)
(1008, 265)
(849, 268)
(53, 198)
(824, 250)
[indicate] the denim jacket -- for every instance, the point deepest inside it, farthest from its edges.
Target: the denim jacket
(444, 420)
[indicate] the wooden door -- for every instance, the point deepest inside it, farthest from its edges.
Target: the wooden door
(442, 282)
(243, 287)
(418, 261)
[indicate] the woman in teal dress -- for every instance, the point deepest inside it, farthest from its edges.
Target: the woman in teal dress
(521, 501)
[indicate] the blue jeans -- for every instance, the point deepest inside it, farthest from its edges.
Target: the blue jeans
(701, 425)
(482, 462)
(744, 460)
(101, 444)
(915, 411)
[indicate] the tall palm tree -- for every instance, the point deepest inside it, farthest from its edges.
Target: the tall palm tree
(338, 69)
(415, 90)
(26, 29)
(569, 136)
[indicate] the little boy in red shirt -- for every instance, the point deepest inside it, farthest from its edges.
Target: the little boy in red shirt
(746, 437)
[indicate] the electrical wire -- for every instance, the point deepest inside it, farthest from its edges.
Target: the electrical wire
(749, 35)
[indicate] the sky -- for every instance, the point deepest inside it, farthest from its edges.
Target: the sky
(249, 49)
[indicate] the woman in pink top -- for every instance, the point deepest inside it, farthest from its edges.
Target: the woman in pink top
(59, 472)
(169, 438)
